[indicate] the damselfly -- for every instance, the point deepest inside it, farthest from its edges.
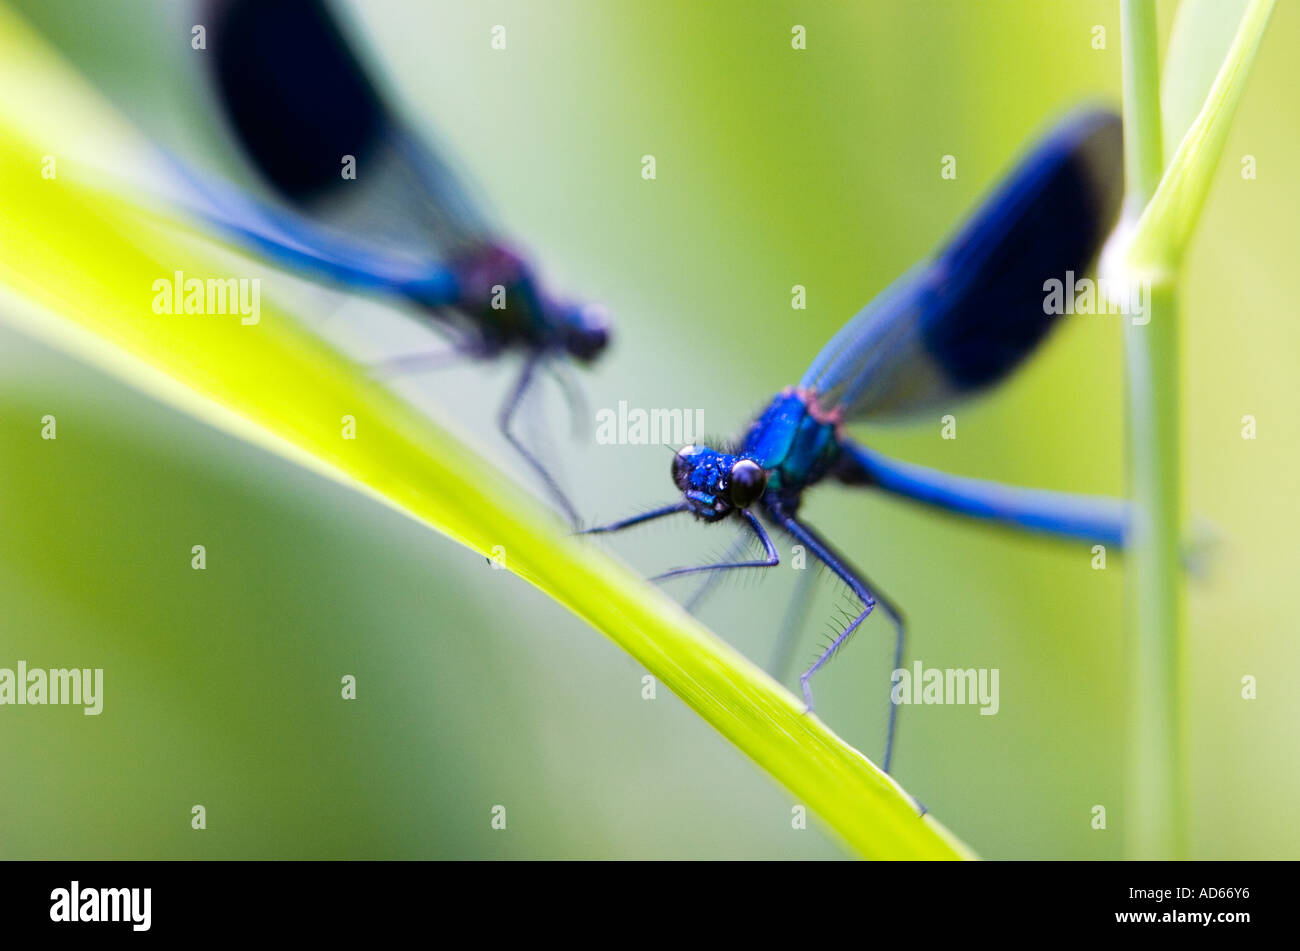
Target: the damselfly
(950, 327)
(306, 113)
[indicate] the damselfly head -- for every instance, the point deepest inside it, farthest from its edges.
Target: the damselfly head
(715, 483)
(498, 284)
(584, 330)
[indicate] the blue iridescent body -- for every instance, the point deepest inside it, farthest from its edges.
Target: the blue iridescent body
(301, 107)
(787, 441)
(950, 327)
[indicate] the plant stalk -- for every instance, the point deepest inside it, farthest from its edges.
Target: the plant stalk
(1154, 820)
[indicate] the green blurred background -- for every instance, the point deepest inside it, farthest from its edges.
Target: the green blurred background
(775, 168)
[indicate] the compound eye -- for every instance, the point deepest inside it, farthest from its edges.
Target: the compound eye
(589, 344)
(682, 467)
(589, 333)
(748, 480)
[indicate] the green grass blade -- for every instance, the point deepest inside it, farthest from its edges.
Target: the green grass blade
(77, 268)
(1199, 40)
(1161, 235)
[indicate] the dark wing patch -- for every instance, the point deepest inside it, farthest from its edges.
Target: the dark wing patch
(967, 318)
(294, 91)
(1048, 218)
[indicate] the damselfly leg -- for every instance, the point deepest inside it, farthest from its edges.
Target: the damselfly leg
(711, 582)
(573, 395)
(459, 352)
(867, 594)
(771, 560)
(506, 417)
(788, 636)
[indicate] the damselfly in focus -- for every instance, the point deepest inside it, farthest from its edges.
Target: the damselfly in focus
(950, 327)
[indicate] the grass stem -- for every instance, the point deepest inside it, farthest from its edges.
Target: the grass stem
(1154, 818)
